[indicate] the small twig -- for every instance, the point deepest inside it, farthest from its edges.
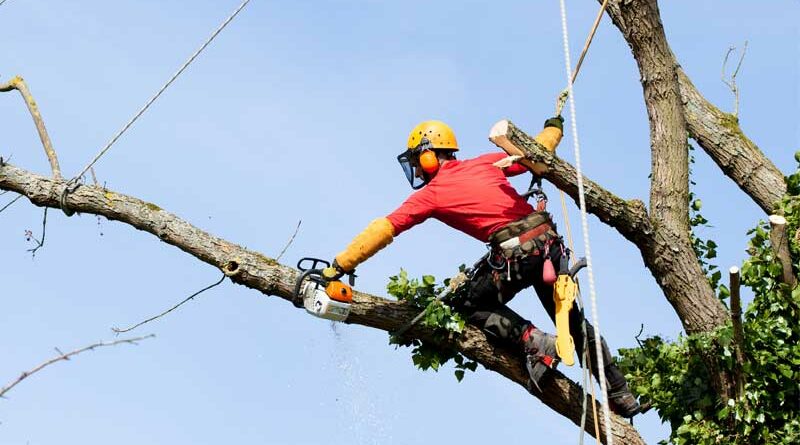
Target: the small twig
(641, 329)
(66, 356)
(732, 82)
(17, 83)
(120, 331)
(94, 177)
(290, 240)
(1, 2)
(9, 204)
(40, 243)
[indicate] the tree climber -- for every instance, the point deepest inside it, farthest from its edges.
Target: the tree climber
(475, 197)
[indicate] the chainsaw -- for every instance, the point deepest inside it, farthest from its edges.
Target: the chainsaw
(321, 297)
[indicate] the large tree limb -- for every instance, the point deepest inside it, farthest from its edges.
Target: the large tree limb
(264, 274)
(717, 133)
(629, 218)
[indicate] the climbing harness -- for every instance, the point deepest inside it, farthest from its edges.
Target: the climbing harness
(74, 183)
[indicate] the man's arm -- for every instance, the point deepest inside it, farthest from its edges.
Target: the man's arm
(380, 232)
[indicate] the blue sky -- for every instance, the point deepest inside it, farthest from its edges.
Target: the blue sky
(296, 112)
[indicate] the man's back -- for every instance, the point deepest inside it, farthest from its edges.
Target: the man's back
(472, 196)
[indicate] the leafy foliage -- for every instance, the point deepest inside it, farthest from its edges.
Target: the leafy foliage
(446, 323)
(672, 376)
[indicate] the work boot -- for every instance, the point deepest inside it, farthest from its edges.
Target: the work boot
(620, 398)
(540, 353)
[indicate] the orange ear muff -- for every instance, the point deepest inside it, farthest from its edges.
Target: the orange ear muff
(428, 162)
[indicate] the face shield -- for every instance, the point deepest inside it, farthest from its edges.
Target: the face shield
(408, 161)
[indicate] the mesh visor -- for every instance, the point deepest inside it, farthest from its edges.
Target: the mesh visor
(407, 162)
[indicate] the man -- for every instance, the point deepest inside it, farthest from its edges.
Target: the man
(475, 197)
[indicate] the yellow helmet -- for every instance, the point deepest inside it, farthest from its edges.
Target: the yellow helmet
(437, 132)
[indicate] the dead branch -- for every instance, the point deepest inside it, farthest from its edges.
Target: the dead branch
(780, 245)
(731, 83)
(39, 243)
(190, 297)
(289, 243)
(66, 356)
(17, 83)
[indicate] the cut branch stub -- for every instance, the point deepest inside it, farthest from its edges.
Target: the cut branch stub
(780, 245)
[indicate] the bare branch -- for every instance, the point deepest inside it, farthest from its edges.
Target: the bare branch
(17, 83)
(67, 356)
(732, 82)
(290, 241)
(190, 297)
(10, 203)
(40, 243)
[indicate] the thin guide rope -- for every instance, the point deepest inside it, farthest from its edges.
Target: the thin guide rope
(163, 88)
(585, 224)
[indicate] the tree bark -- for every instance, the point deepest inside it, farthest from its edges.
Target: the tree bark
(717, 133)
(264, 274)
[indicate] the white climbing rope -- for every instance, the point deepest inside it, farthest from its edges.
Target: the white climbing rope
(585, 225)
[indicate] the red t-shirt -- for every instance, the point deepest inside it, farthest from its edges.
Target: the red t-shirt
(472, 196)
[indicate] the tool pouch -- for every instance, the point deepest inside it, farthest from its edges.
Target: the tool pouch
(524, 237)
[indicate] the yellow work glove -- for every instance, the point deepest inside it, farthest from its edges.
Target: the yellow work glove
(378, 234)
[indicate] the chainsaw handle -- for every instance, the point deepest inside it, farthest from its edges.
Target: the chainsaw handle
(315, 262)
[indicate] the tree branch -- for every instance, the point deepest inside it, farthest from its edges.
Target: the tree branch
(732, 82)
(740, 159)
(17, 83)
(629, 218)
(264, 274)
(63, 356)
(719, 134)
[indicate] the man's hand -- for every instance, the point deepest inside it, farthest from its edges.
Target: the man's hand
(556, 121)
(334, 272)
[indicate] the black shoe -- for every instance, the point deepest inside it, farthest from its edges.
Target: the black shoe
(623, 403)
